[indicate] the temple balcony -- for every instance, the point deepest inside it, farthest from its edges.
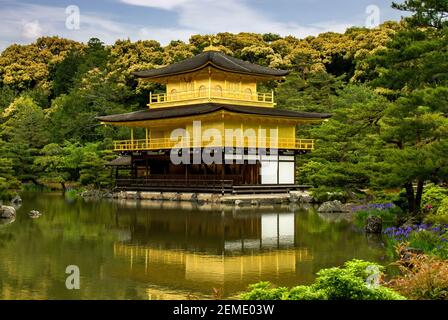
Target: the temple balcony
(205, 95)
(166, 143)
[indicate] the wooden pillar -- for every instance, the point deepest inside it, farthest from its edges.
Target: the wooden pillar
(132, 138)
(147, 138)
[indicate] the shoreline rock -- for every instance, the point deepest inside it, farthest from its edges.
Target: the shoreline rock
(301, 197)
(16, 200)
(374, 225)
(34, 214)
(333, 206)
(96, 194)
(7, 212)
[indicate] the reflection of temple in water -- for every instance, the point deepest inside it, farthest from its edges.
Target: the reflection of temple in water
(213, 231)
(210, 248)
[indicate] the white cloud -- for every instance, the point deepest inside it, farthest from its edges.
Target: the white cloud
(160, 4)
(22, 23)
(31, 30)
(213, 16)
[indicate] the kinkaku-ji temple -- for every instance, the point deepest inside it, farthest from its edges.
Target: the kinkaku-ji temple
(211, 109)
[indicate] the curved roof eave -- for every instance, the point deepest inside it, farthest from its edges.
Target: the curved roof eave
(206, 108)
(217, 60)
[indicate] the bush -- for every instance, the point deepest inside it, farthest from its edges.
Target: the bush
(439, 217)
(305, 293)
(443, 208)
(423, 277)
(326, 194)
(264, 291)
(348, 283)
(433, 196)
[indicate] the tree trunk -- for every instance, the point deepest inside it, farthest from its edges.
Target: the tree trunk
(410, 195)
(63, 187)
(418, 196)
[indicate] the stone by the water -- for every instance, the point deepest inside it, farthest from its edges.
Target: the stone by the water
(374, 224)
(34, 214)
(332, 206)
(7, 212)
(301, 197)
(16, 200)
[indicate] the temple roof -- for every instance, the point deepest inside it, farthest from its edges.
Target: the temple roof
(199, 109)
(123, 161)
(216, 59)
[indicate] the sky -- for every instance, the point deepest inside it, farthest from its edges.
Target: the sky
(22, 21)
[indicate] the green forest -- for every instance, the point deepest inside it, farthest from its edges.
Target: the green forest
(386, 87)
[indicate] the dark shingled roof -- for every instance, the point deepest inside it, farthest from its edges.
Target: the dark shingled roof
(199, 109)
(215, 58)
(123, 161)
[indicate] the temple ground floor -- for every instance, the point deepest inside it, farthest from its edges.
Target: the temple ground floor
(245, 172)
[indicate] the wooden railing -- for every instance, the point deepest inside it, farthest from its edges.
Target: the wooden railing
(256, 98)
(231, 142)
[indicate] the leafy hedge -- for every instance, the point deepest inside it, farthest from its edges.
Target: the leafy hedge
(351, 282)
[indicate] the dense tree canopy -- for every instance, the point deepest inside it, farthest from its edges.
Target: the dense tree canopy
(386, 88)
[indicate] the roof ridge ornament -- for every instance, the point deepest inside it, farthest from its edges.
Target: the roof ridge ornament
(211, 47)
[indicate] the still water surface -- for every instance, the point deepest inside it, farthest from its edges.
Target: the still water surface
(168, 250)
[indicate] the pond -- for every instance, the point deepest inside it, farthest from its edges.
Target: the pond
(168, 250)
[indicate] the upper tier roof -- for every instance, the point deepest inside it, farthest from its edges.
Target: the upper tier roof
(193, 110)
(216, 59)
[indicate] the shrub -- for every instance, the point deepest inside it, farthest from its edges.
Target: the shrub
(306, 293)
(264, 291)
(422, 277)
(350, 283)
(329, 194)
(347, 283)
(433, 195)
(443, 208)
(437, 219)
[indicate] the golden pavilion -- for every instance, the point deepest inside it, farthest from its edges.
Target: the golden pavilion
(211, 131)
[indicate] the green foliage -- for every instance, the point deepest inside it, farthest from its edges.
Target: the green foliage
(264, 291)
(443, 208)
(387, 132)
(347, 143)
(8, 182)
(325, 194)
(431, 239)
(433, 196)
(24, 123)
(305, 293)
(7, 96)
(427, 13)
(430, 242)
(27, 66)
(441, 215)
(390, 216)
(73, 162)
(66, 71)
(347, 283)
(312, 92)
